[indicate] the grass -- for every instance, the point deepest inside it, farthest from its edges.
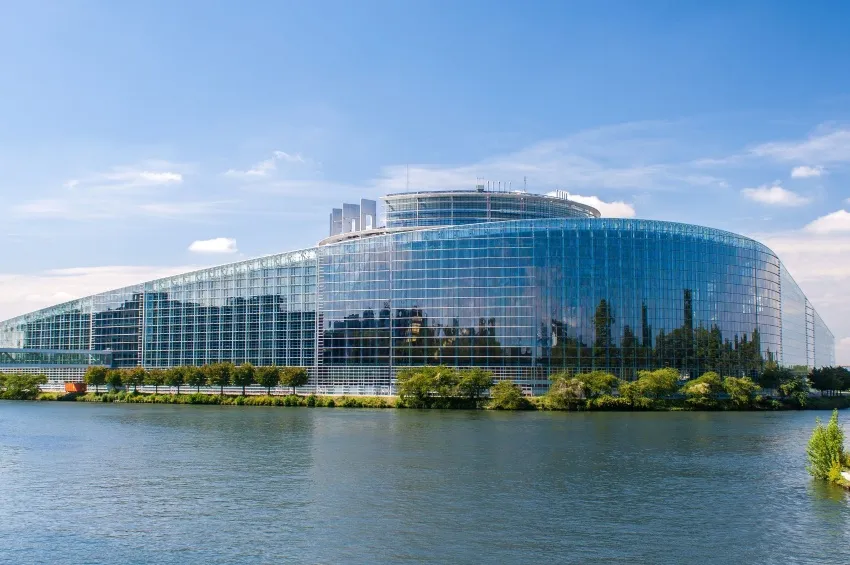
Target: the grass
(605, 403)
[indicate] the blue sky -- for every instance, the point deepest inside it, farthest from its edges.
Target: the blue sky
(128, 132)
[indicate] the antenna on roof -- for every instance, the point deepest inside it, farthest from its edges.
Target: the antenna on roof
(525, 184)
(407, 183)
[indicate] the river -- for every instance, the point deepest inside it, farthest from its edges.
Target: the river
(110, 483)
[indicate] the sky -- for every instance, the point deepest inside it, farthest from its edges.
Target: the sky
(139, 140)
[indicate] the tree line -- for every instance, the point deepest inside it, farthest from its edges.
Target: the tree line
(20, 386)
(215, 374)
(707, 390)
(597, 390)
(447, 387)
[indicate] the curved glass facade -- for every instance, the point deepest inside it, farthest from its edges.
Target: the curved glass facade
(523, 298)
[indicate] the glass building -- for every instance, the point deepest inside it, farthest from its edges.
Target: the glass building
(522, 284)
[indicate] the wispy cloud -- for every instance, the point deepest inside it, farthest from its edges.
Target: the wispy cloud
(804, 172)
(820, 148)
(84, 209)
(147, 174)
(774, 195)
(120, 192)
(267, 167)
(177, 209)
(215, 245)
(594, 160)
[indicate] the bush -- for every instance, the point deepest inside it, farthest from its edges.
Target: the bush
(505, 395)
(796, 390)
(609, 402)
(703, 391)
(740, 391)
(565, 392)
(826, 449)
(20, 386)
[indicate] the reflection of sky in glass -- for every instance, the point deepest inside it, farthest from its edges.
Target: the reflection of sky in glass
(529, 295)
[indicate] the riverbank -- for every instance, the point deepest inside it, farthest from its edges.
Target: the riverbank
(542, 403)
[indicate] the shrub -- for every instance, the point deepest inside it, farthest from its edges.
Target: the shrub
(473, 383)
(826, 448)
(795, 390)
(704, 389)
(740, 391)
(657, 384)
(564, 393)
(505, 395)
(20, 386)
(609, 402)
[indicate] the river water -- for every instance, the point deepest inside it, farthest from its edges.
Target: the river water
(109, 483)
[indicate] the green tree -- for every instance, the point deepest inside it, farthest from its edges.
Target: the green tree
(415, 387)
(843, 378)
(830, 379)
(115, 378)
(705, 388)
(244, 376)
(196, 377)
(740, 390)
(155, 378)
(268, 376)
(505, 395)
(135, 376)
(795, 389)
(659, 383)
(176, 377)
(631, 392)
(96, 376)
(565, 391)
(220, 375)
(21, 386)
(774, 376)
(446, 380)
(474, 383)
(294, 377)
(596, 383)
(826, 449)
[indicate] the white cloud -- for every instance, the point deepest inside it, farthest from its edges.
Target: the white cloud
(829, 147)
(22, 293)
(616, 209)
(804, 172)
(216, 245)
(838, 221)
(820, 263)
(774, 195)
(267, 167)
